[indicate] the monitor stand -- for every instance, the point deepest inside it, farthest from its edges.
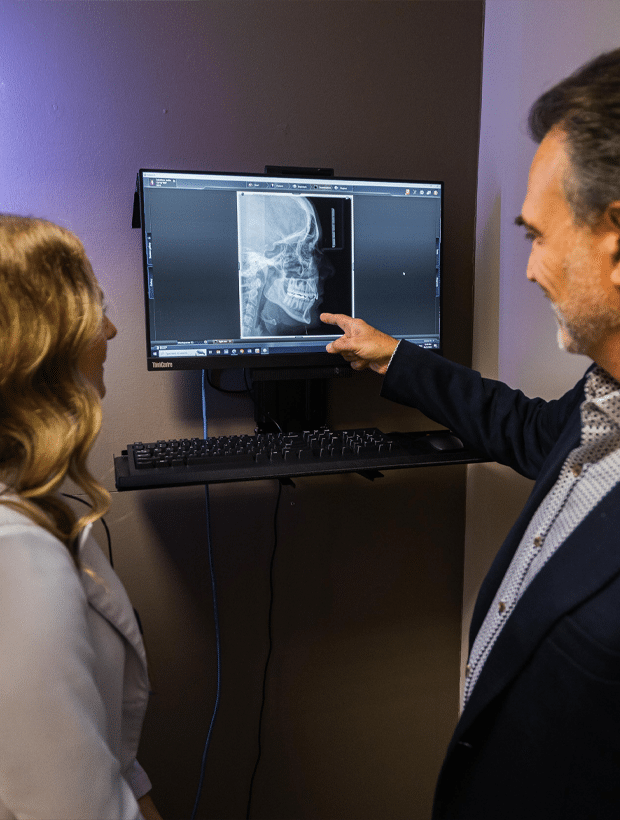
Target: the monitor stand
(290, 400)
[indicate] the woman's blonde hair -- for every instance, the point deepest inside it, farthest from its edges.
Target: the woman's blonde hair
(50, 313)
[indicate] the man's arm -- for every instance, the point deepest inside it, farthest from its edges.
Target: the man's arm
(497, 421)
(361, 344)
(502, 424)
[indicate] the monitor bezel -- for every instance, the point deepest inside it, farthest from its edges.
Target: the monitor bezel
(289, 362)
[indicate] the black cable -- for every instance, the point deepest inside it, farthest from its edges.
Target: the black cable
(247, 390)
(216, 617)
(250, 389)
(206, 380)
(244, 390)
(218, 655)
(269, 647)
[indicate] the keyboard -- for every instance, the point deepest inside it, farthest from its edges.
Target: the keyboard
(178, 462)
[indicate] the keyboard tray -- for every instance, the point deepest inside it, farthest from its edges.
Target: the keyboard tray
(249, 458)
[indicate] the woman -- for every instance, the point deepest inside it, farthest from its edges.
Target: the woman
(73, 679)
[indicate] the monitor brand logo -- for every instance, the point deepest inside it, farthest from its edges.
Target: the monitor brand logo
(162, 364)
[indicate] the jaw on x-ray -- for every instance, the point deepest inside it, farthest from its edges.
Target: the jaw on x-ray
(282, 267)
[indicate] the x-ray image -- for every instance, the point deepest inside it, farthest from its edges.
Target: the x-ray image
(283, 267)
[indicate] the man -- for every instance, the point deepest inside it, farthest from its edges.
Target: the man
(539, 736)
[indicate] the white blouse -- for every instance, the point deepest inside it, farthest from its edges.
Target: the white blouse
(73, 681)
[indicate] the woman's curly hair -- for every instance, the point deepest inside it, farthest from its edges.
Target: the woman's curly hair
(50, 313)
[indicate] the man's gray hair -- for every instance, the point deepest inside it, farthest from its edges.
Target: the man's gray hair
(586, 107)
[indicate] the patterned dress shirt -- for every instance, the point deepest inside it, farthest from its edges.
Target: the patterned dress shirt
(589, 472)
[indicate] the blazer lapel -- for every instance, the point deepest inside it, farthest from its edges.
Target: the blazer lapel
(549, 473)
(106, 593)
(587, 561)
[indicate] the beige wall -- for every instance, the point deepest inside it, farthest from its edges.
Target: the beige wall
(362, 689)
(528, 46)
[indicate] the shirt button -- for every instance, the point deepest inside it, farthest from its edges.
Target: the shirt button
(468, 670)
(576, 470)
(538, 541)
(502, 606)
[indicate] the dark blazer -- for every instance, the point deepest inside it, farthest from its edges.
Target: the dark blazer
(539, 738)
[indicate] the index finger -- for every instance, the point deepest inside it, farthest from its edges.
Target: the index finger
(341, 320)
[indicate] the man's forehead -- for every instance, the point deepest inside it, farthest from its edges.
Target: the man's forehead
(545, 187)
(551, 158)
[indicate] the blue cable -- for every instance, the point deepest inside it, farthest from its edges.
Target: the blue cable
(216, 617)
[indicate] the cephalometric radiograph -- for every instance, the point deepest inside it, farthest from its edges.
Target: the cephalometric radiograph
(282, 266)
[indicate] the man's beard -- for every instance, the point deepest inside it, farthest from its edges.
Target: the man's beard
(586, 315)
(580, 334)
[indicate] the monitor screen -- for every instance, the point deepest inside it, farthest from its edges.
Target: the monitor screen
(239, 267)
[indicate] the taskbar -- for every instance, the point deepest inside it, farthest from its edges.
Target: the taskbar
(242, 348)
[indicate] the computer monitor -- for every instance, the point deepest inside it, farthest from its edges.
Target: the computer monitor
(238, 267)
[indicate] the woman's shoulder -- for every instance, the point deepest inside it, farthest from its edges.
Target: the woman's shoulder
(27, 547)
(42, 600)
(12, 517)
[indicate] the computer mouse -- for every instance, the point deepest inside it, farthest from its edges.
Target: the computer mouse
(444, 442)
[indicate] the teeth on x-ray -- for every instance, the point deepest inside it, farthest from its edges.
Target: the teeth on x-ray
(279, 237)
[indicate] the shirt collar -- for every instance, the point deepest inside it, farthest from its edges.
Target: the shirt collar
(600, 411)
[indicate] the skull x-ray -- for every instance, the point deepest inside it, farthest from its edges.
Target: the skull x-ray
(282, 267)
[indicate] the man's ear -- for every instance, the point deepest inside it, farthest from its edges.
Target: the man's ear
(612, 218)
